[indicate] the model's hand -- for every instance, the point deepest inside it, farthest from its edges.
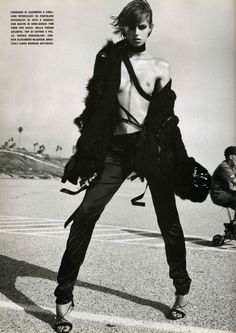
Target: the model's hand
(88, 181)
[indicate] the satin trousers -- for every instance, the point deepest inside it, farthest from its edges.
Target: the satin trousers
(118, 166)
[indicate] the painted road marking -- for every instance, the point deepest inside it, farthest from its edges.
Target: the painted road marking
(30, 225)
(46, 227)
(131, 239)
(30, 222)
(161, 327)
(221, 249)
(26, 229)
(189, 247)
(40, 234)
(7, 217)
(109, 235)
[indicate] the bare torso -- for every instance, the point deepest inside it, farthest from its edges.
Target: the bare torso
(148, 70)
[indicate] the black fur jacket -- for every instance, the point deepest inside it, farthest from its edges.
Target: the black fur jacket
(160, 150)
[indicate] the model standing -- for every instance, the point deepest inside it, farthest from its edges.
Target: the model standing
(128, 125)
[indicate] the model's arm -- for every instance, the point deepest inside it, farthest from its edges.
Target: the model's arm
(163, 71)
(94, 88)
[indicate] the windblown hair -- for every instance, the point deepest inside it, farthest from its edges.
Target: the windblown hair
(131, 15)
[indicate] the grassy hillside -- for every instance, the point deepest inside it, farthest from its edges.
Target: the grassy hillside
(15, 164)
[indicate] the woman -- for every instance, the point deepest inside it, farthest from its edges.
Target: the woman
(128, 125)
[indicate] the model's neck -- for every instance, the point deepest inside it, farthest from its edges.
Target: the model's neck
(136, 49)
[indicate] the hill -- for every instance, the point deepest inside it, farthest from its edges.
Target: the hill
(16, 164)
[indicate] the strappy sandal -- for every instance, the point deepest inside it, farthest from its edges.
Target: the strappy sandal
(62, 324)
(177, 311)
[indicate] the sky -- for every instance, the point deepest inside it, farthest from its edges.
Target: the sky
(43, 87)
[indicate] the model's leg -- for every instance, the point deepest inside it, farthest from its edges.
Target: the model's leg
(81, 230)
(168, 220)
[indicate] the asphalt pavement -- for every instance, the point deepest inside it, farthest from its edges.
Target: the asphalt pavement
(123, 285)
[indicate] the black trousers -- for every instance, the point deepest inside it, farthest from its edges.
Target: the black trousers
(118, 165)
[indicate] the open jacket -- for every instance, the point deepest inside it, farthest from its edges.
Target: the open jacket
(161, 148)
(101, 112)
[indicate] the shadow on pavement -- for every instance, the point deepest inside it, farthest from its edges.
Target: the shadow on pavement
(196, 240)
(11, 269)
(199, 241)
(143, 233)
(135, 299)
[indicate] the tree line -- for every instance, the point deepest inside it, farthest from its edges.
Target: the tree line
(37, 148)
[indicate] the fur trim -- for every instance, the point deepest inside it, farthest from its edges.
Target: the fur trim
(96, 85)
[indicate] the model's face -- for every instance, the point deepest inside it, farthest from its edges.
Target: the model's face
(137, 35)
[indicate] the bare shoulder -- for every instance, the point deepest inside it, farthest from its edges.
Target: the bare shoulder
(162, 68)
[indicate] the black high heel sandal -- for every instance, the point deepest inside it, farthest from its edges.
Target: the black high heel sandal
(62, 324)
(177, 311)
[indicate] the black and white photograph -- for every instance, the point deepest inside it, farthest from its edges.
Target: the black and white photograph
(118, 166)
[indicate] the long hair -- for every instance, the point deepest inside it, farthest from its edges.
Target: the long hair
(131, 15)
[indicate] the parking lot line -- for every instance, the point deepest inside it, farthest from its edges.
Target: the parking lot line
(160, 327)
(131, 239)
(45, 227)
(221, 249)
(107, 235)
(20, 218)
(26, 229)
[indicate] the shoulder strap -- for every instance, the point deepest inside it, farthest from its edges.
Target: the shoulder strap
(135, 79)
(130, 118)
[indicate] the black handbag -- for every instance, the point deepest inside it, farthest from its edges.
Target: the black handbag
(192, 181)
(81, 167)
(71, 171)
